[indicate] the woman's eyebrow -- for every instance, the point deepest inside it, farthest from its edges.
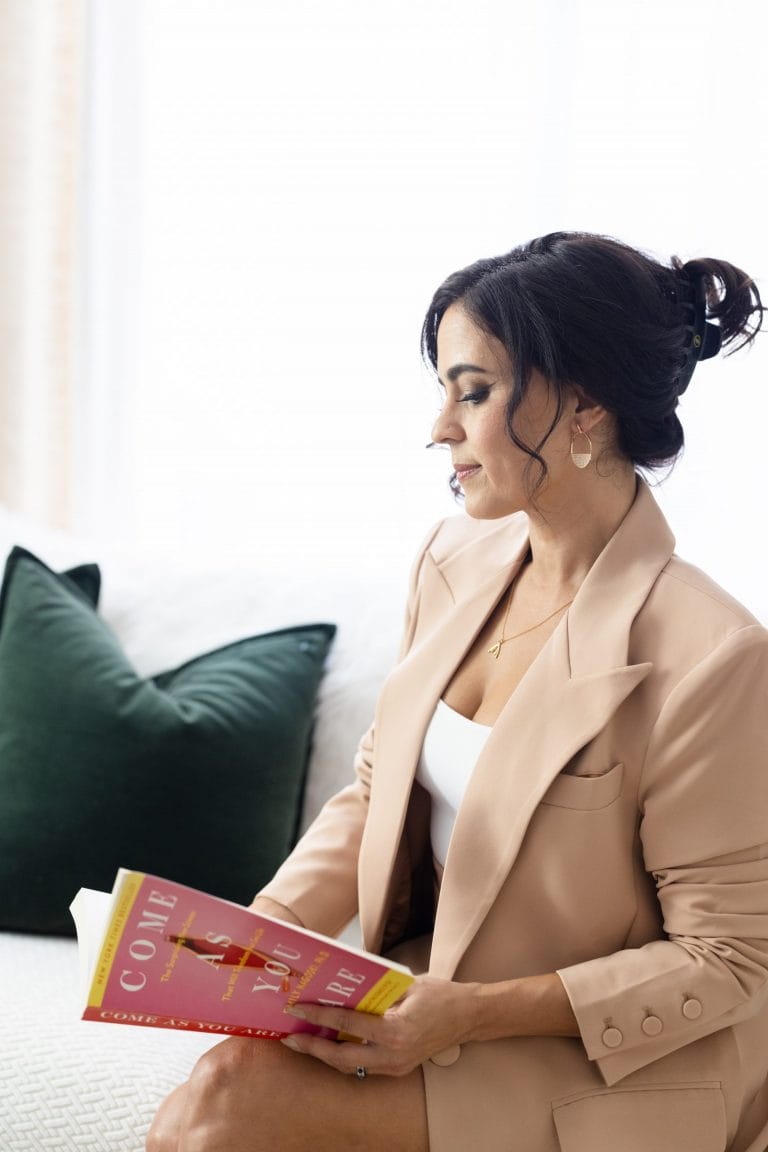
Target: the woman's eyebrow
(456, 370)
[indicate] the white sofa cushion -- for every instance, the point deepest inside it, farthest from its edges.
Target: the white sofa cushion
(68, 1084)
(71, 1086)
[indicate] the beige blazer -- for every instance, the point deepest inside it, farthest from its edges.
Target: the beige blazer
(613, 830)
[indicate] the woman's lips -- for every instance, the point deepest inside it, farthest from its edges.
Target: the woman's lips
(465, 471)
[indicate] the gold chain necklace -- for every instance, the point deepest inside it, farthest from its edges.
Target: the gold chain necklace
(496, 648)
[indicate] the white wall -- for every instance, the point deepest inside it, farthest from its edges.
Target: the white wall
(301, 176)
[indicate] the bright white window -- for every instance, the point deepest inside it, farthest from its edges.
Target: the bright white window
(286, 185)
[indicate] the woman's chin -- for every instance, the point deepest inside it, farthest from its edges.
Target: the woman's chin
(488, 509)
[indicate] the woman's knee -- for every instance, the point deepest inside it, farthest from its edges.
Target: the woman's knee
(228, 1085)
(226, 1068)
(164, 1132)
(235, 1079)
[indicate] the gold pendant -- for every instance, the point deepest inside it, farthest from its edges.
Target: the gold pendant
(494, 651)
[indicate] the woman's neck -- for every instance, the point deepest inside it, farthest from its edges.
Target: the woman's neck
(565, 541)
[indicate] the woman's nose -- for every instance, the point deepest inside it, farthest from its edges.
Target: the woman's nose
(445, 427)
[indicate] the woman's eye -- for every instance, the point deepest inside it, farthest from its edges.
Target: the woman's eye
(475, 397)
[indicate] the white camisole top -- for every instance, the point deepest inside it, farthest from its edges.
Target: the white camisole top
(451, 748)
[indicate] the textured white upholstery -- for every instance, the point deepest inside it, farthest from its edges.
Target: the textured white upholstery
(70, 1085)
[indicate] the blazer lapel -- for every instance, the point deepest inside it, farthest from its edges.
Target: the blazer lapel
(569, 693)
(405, 709)
(547, 720)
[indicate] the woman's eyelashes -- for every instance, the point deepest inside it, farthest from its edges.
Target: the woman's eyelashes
(475, 397)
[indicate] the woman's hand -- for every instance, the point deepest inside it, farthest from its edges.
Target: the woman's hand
(433, 1015)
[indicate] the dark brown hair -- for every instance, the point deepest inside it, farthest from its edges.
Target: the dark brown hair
(590, 312)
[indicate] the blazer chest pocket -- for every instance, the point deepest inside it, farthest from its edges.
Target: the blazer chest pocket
(585, 793)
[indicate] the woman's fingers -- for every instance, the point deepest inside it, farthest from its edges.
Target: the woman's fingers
(346, 1057)
(425, 1021)
(361, 1025)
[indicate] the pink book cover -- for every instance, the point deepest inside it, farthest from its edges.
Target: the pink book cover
(162, 955)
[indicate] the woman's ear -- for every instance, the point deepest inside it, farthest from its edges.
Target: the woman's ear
(587, 412)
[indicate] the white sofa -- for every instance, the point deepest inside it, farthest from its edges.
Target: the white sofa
(81, 1087)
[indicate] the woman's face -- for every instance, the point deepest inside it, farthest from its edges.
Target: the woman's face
(476, 374)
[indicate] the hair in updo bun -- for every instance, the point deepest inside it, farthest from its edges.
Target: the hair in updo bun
(590, 312)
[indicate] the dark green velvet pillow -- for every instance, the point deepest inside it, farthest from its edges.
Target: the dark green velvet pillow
(196, 774)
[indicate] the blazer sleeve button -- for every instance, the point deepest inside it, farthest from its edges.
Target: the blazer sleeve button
(447, 1057)
(612, 1038)
(692, 1008)
(652, 1026)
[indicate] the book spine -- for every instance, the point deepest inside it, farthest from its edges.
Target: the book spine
(129, 891)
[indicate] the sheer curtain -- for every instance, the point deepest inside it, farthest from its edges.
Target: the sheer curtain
(41, 142)
(273, 192)
(307, 175)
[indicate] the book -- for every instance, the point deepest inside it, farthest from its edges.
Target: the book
(158, 954)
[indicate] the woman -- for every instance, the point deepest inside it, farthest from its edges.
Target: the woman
(565, 809)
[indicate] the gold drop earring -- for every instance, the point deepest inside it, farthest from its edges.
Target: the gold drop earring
(581, 459)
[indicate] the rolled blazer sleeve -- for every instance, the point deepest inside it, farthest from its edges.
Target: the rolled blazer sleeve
(703, 802)
(318, 881)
